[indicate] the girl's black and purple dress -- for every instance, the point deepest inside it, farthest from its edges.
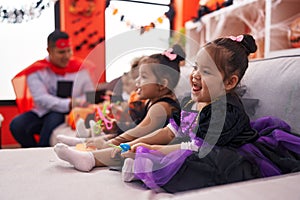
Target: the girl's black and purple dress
(231, 149)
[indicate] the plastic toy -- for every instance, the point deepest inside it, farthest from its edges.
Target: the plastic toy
(108, 124)
(123, 147)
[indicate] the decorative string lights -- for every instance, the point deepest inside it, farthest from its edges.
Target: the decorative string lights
(144, 28)
(25, 13)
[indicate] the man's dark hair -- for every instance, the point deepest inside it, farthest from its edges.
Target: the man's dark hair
(56, 35)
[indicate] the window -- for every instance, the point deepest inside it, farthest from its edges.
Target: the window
(124, 37)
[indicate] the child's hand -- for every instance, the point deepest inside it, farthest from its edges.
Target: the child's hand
(128, 154)
(90, 143)
(122, 148)
(115, 151)
(132, 151)
(133, 147)
(112, 130)
(99, 142)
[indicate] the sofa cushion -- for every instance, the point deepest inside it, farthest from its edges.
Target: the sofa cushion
(275, 82)
(250, 106)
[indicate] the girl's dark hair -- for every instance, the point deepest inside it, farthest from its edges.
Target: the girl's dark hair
(177, 49)
(231, 56)
(164, 68)
(56, 35)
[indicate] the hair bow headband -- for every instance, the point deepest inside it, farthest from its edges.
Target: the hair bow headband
(168, 53)
(237, 38)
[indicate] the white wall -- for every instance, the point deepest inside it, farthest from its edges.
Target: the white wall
(22, 43)
(123, 42)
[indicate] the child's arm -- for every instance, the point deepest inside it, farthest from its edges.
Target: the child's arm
(161, 136)
(165, 149)
(155, 119)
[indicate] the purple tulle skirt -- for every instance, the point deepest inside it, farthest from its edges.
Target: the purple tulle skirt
(156, 169)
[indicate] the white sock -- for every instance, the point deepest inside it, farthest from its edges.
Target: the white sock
(82, 131)
(83, 161)
(127, 170)
(95, 129)
(69, 140)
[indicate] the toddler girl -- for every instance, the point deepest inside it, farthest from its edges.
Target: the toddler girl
(158, 75)
(215, 143)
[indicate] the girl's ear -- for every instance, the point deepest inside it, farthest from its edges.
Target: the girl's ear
(231, 82)
(164, 83)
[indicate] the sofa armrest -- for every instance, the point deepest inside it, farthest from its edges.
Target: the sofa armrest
(275, 82)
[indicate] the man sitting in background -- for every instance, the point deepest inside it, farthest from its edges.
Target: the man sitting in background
(55, 84)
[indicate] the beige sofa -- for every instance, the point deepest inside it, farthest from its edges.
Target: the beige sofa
(29, 174)
(36, 173)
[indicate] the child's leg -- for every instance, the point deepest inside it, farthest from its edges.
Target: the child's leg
(86, 161)
(83, 161)
(103, 157)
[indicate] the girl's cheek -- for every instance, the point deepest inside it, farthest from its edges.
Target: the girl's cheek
(191, 76)
(141, 82)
